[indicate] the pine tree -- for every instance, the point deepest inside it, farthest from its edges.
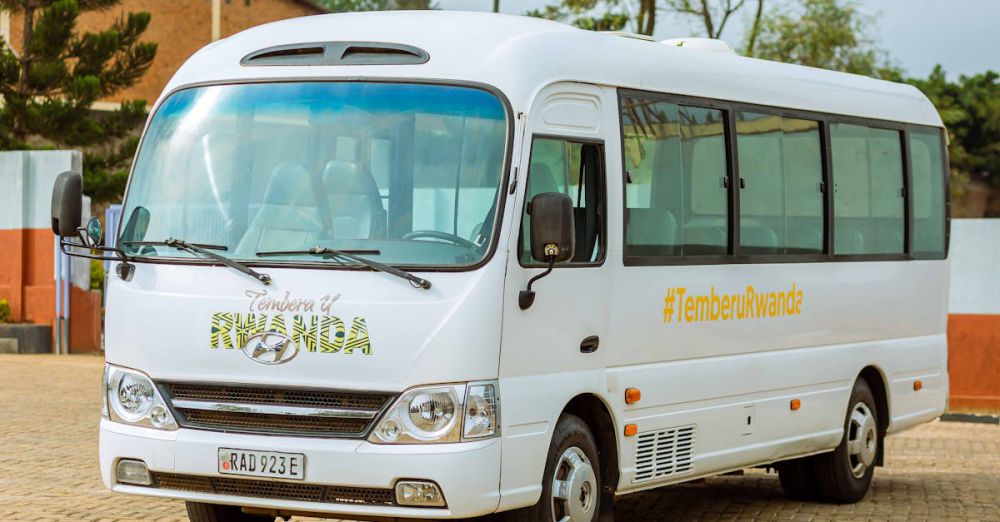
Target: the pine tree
(48, 87)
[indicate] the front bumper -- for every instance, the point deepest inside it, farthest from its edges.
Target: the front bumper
(468, 473)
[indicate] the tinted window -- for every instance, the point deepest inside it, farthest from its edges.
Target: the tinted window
(675, 161)
(781, 202)
(927, 174)
(574, 169)
(868, 190)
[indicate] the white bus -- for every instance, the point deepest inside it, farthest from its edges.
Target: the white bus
(445, 265)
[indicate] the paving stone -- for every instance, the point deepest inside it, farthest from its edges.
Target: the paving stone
(50, 405)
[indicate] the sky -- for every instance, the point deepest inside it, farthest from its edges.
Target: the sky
(962, 35)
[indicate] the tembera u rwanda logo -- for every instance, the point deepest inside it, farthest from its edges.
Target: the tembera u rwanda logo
(277, 329)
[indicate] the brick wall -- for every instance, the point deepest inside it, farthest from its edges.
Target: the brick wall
(181, 27)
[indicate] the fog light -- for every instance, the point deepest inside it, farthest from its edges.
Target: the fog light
(418, 493)
(133, 472)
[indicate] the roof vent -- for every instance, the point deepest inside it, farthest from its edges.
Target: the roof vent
(709, 45)
(337, 53)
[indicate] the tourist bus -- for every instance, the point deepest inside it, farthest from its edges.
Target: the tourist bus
(445, 265)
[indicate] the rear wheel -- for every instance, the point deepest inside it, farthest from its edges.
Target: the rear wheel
(845, 475)
(798, 479)
(201, 512)
(571, 483)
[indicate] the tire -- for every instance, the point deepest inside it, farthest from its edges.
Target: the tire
(573, 460)
(845, 475)
(798, 479)
(201, 512)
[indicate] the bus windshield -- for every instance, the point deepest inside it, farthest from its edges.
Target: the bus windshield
(405, 174)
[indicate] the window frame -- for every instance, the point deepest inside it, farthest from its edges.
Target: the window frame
(602, 163)
(824, 121)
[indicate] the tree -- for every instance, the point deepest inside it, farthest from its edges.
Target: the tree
(347, 6)
(714, 14)
(597, 15)
(830, 34)
(49, 86)
(970, 109)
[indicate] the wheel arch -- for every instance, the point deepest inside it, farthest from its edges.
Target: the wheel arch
(596, 414)
(876, 380)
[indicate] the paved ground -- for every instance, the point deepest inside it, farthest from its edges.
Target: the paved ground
(48, 466)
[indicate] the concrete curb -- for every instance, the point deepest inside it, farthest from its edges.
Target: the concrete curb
(971, 417)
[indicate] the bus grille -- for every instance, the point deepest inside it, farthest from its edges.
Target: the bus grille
(274, 490)
(278, 411)
(664, 453)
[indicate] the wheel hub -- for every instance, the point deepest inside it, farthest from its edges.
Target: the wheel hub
(862, 439)
(574, 488)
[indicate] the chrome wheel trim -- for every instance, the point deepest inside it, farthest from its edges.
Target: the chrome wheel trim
(862, 439)
(574, 488)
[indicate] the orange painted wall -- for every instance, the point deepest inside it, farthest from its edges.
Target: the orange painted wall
(27, 282)
(974, 361)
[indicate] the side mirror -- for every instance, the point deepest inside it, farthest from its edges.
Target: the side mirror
(92, 236)
(67, 204)
(553, 236)
(553, 233)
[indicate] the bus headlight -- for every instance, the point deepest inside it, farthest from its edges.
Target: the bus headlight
(132, 398)
(435, 414)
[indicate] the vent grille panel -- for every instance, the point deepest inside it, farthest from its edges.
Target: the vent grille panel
(664, 453)
(216, 407)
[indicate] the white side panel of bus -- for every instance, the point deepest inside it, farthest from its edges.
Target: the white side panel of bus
(710, 374)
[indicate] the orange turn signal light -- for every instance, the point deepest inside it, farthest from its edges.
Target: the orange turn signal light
(795, 404)
(631, 429)
(917, 385)
(632, 395)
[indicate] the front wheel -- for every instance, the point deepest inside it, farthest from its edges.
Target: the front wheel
(571, 483)
(202, 512)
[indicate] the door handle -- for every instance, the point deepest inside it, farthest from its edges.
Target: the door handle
(590, 344)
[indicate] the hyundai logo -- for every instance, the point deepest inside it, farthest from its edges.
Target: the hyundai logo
(270, 348)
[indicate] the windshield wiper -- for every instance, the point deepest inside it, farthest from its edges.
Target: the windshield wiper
(330, 253)
(203, 251)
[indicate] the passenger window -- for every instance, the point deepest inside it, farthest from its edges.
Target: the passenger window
(781, 202)
(927, 174)
(577, 170)
(677, 203)
(868, 190)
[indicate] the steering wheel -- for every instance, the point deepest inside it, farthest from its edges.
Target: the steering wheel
(446, 236)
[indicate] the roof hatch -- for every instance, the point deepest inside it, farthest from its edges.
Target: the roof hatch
(337, 53)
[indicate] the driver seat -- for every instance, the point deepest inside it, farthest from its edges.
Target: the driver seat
(355, 202)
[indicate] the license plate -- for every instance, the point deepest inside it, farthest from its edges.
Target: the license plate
(270, 464)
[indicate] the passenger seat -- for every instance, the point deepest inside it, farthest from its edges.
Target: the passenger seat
(288, 218)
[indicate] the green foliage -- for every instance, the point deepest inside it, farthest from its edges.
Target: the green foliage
(96, 274)
(345, 6)
(5, 312)
(48, 90)
(970, 109)
(830, 34)
(584, 14)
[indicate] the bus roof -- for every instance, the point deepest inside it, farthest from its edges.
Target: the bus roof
(519, 55)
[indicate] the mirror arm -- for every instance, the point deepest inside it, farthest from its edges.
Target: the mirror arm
(125, 268)
(527, 297)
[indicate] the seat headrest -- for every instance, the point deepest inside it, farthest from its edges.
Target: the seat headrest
(289, 185)
(341, 177)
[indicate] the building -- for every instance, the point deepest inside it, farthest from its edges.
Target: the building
(180, 27)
